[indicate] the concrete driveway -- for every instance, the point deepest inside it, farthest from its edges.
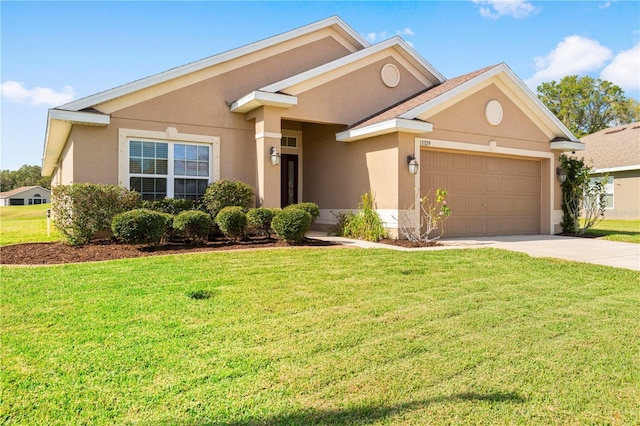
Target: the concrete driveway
(588, 250)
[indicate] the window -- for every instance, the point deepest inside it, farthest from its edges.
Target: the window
(37, 199)
(608, 188)
(289, 141)
(157, 166)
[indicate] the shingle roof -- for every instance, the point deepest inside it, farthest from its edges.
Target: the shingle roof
(408, 104)
(613, 147)
(20, 190)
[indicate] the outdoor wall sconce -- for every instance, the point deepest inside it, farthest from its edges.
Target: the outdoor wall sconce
(413, 164)
(275, 156)
(560, 173)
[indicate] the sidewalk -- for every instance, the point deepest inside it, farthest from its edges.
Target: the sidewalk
(589, 250)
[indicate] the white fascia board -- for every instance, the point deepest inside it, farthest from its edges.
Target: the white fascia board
(495, 71)
(180, 71)
(567, 146)
(258, 98)
(415, 56)
(396, 42)
(616, 169)
(383, 128)
(79, 117)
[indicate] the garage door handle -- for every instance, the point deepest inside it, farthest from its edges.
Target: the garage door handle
(484, 204)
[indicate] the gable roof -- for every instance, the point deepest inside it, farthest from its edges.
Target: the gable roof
(22, 189)
(440, 96)
(357, 43)
(613, 149)
(81, 111)
(314, 77)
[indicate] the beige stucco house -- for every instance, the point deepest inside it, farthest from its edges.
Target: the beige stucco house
(615, 153)
(340, 117)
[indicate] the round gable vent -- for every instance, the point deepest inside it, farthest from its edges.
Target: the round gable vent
(493, 112)
(390, 75)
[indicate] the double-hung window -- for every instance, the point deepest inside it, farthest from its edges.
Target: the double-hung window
(166, 168)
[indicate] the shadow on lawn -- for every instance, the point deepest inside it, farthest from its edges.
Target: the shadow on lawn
(368, 414)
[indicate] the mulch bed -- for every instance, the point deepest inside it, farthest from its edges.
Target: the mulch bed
(108, 249)
(97, 250)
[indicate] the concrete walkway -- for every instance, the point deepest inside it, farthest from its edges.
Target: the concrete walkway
(588, 250)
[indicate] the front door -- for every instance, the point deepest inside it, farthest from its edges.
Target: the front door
(288, 179)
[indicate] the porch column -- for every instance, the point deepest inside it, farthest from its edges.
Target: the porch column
(268, 135)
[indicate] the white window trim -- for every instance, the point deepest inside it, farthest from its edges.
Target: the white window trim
(170, 135)
(610, 184)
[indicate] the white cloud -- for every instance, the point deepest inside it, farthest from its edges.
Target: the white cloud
(573, 55)
(15, 91)
(496, 9)
(406, 31)
(624, 70)
(373, 37)
(604, 5)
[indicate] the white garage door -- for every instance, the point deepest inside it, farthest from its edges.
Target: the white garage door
(487, 195)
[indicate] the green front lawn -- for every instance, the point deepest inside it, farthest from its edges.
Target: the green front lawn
(321, 336)
(618, 230)
(25, 224)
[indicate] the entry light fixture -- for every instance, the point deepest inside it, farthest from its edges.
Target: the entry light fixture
(275, 156)
(413, 164)
(561, 174)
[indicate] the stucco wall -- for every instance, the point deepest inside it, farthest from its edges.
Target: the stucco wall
(354, 96)
(465, 122)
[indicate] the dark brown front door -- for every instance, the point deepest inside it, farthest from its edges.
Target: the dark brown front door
(288, 179)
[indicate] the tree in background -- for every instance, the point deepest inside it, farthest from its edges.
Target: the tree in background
(24, 176)
(586, 105)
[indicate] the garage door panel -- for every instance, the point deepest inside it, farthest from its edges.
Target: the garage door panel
(487, 195)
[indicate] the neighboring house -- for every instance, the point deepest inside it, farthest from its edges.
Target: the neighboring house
(25, 196)
(615, 153)
(318, 114)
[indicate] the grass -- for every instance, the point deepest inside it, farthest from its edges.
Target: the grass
(618, 230)
(25, 224)
(321, 336)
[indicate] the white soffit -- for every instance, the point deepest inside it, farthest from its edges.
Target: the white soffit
(402, 52)
(383, 128)
(258, 98)
(334, 22)
(567, 146)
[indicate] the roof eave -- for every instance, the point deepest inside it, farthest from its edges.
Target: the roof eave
(59, 123)
(258, 98)
(123, 90)
(383, 128)
(566, 146)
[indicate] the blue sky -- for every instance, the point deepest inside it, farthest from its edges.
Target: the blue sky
(55, 52)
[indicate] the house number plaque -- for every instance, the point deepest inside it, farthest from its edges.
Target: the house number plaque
(425, 142)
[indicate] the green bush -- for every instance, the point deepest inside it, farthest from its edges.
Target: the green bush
(291, 224)
(367, 224)
(81, 210)
(232, 221)
(140, 226)
(342, 218)
(226, 193)
(260, 219)
(168, 205)
(311, 208)
(194, 224)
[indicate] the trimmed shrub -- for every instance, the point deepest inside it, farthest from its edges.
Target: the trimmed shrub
(291, 224)
(81, 210)
(168, 205)
(311, 208)
(140, 226)
(226, 193)
(194, 224)
(232, 221)
(260, 219)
